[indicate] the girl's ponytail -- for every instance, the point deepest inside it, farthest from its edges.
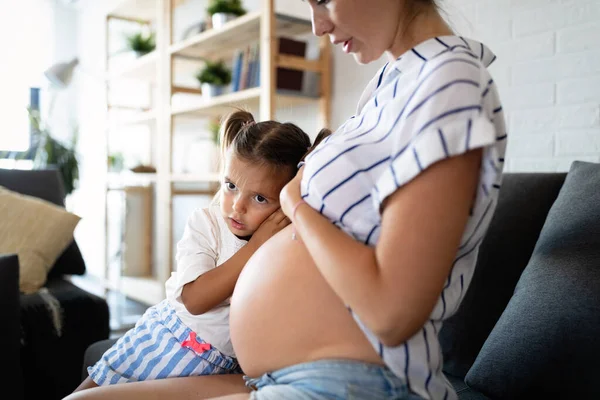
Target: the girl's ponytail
(322, 135)
(233, 125)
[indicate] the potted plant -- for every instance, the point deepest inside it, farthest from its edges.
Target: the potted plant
(48, 152)
(115, 162)
(141, 44)
(214, 127)
(223, 11)
(213, 78)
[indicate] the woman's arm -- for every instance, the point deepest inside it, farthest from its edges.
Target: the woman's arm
(395, 286)
(213, 287)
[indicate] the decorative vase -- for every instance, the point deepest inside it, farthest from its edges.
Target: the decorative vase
(220, 19)
(211, 90)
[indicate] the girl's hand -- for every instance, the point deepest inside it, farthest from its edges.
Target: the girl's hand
(290, 194)
(270, 226)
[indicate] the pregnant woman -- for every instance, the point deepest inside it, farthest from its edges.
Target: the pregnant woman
(387, 217)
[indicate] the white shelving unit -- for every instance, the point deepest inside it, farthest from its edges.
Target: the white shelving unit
(158, 69)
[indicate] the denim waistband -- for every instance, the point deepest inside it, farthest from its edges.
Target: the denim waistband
(334, 377)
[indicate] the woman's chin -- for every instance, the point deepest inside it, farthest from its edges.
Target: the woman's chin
(363, 59)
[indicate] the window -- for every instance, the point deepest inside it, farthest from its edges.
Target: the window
(27, 45)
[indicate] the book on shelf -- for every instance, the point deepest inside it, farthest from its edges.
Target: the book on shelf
(245, 72)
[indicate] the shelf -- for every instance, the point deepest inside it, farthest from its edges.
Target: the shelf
(138, 10)
(141, 69)
(146, 117)
(195, 178)
(121, 180)
(238, 33)
(187, 90)
(224, 104)
(144, 69)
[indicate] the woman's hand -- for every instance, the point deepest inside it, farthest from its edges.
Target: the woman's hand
(270, 226)
(290, 194)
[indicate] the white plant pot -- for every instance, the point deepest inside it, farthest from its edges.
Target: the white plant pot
(220, 19)
(210, 90)
(139, 54)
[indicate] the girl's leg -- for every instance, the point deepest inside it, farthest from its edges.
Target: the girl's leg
(194, 387)
(87, 384)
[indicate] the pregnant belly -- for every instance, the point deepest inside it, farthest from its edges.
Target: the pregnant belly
(284, 313)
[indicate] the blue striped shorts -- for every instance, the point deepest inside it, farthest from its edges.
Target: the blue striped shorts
(160, 346)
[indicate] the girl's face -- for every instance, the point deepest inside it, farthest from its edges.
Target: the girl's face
(249, 194)
(365, 28)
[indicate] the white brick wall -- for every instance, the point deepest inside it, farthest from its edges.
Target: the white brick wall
(548, 72)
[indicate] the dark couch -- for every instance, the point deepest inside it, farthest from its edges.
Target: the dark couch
(48, 364)
(515, 240)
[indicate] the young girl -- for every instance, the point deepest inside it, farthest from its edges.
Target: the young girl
(188, 333)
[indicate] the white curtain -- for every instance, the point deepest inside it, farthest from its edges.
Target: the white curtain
(26, 48)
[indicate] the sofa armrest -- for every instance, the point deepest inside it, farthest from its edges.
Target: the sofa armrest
(10, 340)
(93, 354)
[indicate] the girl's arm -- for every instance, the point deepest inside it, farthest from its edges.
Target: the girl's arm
(395, 286)
(215, 286)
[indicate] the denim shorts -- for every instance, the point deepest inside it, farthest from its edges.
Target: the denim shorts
(330, 379)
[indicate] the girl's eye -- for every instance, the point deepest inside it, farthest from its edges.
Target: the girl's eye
(322, 2)
(230, 186)
(260, 199)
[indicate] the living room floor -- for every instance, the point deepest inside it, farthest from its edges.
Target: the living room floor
(124, 313)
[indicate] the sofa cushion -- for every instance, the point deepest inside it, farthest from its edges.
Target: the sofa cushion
(46, 185)
(37, 231)
(547, 341)
(523, 204)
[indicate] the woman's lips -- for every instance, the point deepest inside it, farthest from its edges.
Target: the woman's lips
(348, 46)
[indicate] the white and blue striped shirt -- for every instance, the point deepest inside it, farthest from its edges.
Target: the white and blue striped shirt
(436, 101)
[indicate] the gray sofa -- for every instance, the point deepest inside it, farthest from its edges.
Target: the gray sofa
(41, 361)
(504, 343)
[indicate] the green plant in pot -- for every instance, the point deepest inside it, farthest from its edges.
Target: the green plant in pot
(47, 152)
(213, 78)
(214, 126)
(141, 43)
(115, 162)
(223, 11)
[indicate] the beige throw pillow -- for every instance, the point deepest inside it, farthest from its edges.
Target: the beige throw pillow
(36, 230)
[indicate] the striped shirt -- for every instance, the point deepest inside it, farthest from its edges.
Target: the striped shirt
(436, 101)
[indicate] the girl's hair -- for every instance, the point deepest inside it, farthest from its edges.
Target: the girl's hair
(427, 2)
(276, 144)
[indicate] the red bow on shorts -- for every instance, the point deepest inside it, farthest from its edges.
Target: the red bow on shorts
(193, 344)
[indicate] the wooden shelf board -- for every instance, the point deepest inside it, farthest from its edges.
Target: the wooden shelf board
(138, 10)
(142, 69)
(298, 63)
(245, 98)
(236, 34)
(120, 180)
(203, 178)
(183, 89)
(147, 117)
